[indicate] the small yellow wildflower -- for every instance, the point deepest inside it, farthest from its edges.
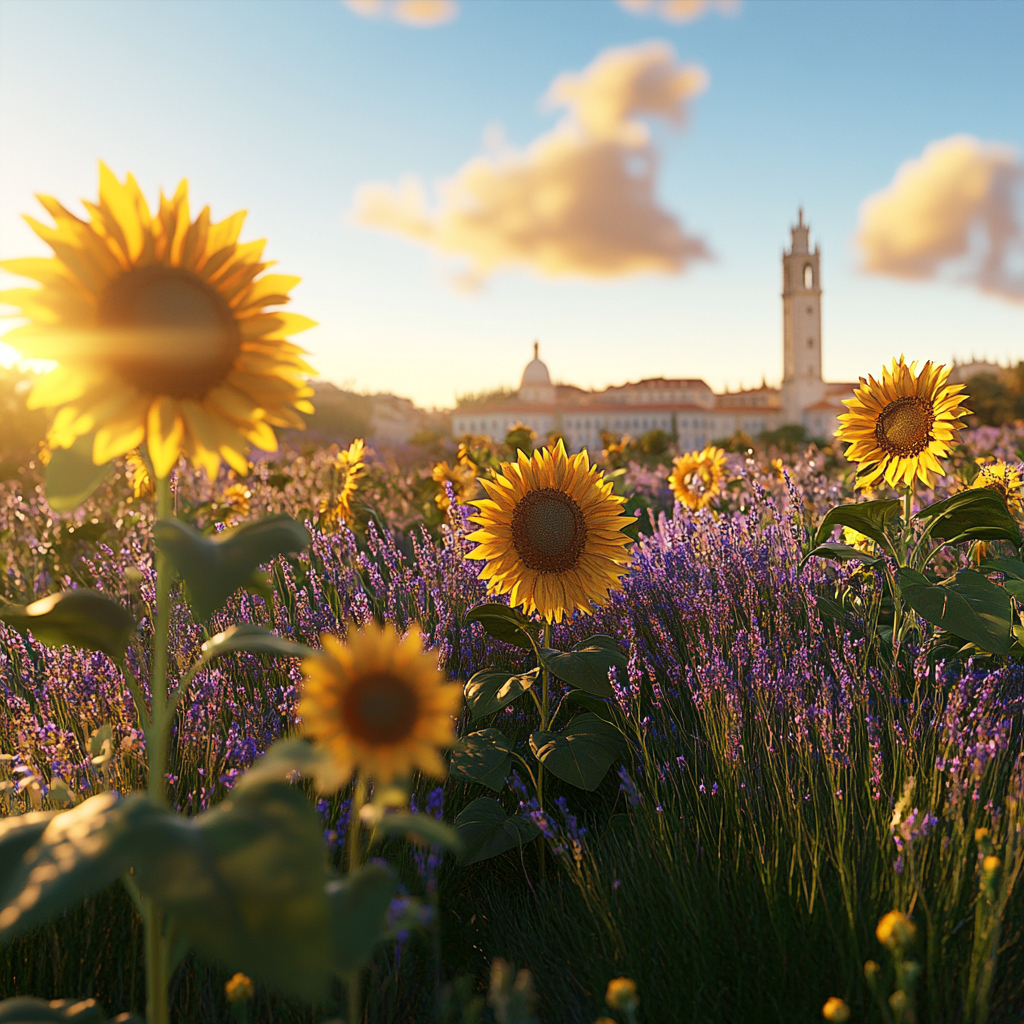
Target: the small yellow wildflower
(896, 930)
(239, 988)
(621, 995)
(835, 1009)
(990, 865)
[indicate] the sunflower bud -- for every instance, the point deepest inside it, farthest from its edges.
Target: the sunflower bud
(239, 988)
(835, 1009)
(621, 995)
(896, 930)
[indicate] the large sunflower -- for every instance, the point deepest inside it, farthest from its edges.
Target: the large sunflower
(162, 330)
(696, 478)
(551, 533)
(379, 704)
(899, 427)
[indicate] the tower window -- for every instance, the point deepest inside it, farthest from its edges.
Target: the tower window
(808, 276)
(810, 343)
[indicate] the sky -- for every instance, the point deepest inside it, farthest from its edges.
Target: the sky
(454, 180)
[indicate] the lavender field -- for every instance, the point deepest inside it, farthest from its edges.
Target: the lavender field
(787, 776)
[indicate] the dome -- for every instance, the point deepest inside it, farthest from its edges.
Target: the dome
(536, 373)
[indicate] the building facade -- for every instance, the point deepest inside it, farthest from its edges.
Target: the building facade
(687, 409)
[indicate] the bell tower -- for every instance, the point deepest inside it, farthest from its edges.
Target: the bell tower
(802, 383)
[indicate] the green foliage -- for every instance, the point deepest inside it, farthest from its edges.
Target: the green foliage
(478, 399)
(79, 618)
(78, 853)
(582, 753)
(997, 398)
(246, 637)
(213, 568)
(71, 475)
(867, 517)
(586, 664)
(966, 605)
(487, 831)
(358, 904)
(491, 689)
(507, 624)
(483, 756)
(976, 514)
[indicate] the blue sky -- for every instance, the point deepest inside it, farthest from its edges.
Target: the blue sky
(286, 108)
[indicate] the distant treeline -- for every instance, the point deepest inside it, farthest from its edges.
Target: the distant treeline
(996, 399)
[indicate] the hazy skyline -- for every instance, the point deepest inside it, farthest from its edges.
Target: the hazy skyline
(453, 181)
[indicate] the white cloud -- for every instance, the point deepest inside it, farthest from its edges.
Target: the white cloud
(679, 11)
(953, 211)
(580, 200)
(419, 13)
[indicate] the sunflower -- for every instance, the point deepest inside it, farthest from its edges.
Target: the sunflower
(696, 478)
(347, 470)
(899, 427)
(162, 331)
(1006, 479)
(379, 704)
(462, 477)
(551, 533)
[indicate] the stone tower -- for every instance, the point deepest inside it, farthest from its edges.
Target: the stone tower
(802, 383)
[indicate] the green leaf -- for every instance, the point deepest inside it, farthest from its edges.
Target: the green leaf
(504, 623)
(78, 853)
(79, 618)
(288, 757)
(486, 830)
(427, 828)
(490, 690)
(358, 905)
(843, 553)
(71, 475)
(585, 665)
(255, 639)
(608, 711)
(580, 755)
(18, 834)
(1011, 568)
(867, 517)
(482, 757)
(246, 885)
(213, 568)
(967, 605)
(976, 514)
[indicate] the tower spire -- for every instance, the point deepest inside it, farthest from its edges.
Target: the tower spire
(536, 350)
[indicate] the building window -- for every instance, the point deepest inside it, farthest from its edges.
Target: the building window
(810, 343)
(808, 276)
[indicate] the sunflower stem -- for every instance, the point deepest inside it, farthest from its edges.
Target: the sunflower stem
(354, 980)
(353, 838)
(545, 711)
(157, 1008)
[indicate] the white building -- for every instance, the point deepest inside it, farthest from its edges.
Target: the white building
(687, 410)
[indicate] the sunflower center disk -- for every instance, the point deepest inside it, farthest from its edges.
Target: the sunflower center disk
(549, 530)
(172, 334)
(380, 708)
(904, 428)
